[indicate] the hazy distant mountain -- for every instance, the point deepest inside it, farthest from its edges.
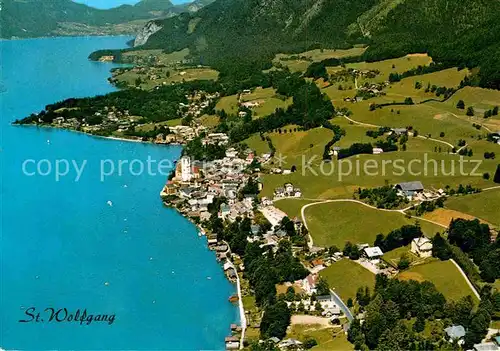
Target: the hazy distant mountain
(35, 18)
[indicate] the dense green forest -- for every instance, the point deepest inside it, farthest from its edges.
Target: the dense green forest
(159, 105)
(397, 312)
(238, 37)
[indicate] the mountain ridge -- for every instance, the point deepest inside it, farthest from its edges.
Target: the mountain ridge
(34, 18)
(452, 31)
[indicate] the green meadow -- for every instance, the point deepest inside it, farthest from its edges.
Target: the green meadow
(484, 205)
(345, 277)
(445, 276)
(397, 65)
(336, 223)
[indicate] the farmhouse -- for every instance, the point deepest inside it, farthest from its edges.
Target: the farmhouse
(486, 346)
(372, 253)
(285, 344)
(232, 343)
(329, 306)
(422, 247)
(455, 333)
(377, 151)
(409, 189)
(399, 131)
(308, 284)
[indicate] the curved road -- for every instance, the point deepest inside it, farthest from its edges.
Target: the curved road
(311, 242)
(419, 136)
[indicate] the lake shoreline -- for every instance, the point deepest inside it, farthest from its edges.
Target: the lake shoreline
(199, 228)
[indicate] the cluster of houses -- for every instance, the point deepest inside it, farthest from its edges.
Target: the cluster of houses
(180, 134)
(110, 116)
(196, 184)
(197, 102)
(368, 91)
(415, 191)
(456, 334)
(288, 190)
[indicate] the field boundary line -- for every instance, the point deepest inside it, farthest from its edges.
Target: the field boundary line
(466, 279)
(304, 221)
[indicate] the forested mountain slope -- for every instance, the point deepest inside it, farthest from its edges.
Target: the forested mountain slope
(229, 32)
(35, 18)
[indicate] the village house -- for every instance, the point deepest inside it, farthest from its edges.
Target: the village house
(308, 284)
(372, 253)
(409, 189)
(399, 131)
(289, 343)
(231, 153)
(215, 139)
(455, 333)
(225, 210)
(232, 343)
(486, 346)
(169, 189)
(422, 247)
(273, 215)
(335, 151)
(250, 104)
(329, 306)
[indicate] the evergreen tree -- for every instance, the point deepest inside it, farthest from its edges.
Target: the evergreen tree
(496, 178)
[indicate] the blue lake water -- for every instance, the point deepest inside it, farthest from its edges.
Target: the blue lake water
(108, 246)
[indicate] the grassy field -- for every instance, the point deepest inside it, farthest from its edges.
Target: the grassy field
(150, 126)
(337, 96)
(484, 205)
(449, 78)
(209, 121)
(479, 98)
(425, 118)
(293, 145)
(397, 65)
(292, 207)
(327, 338)
(445, 277)
(445, 215)
(269, 102)
(392, 257)
(338, 222)
(167, 76)
(300, 62)
(163, 58)
(228, 104)
(267, 98)
(346, 277)
(354, 133)
(257, 144)
(342, 179)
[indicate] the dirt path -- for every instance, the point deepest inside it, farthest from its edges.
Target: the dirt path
(305, 319)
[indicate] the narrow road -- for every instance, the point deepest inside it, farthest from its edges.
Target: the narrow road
(243, 320)
(342, 305)
(466, 279)
(438, 141)
(419, 136)
(491, 188)
(402, 211)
